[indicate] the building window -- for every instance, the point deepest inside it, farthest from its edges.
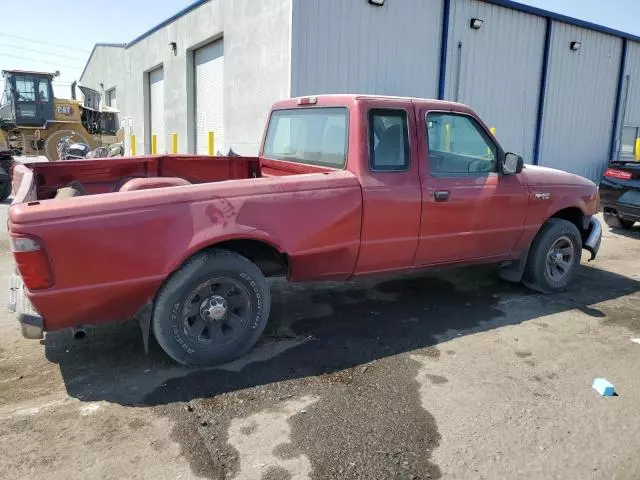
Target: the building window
(388, 140)
(628, 143)
(458, 146)
(111, 97)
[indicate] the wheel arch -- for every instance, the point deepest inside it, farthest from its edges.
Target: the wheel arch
(271, 260)
(576, 216)
(572, 214)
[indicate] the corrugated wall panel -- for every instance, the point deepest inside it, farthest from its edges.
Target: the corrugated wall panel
(632, 107)
(341, 46)
(496, 69)
(580, 99)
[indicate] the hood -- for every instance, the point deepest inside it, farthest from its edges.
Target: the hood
(544, 176)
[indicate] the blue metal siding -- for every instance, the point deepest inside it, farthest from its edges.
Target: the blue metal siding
(580, 98)
(496, 69)
(632, 104)
(343, 46)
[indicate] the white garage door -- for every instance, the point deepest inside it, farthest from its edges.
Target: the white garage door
(209, 96)
(156, 107)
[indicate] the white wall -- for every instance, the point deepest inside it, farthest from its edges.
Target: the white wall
(257, 46)
(345, 46)
(256, 70)
(105, 58)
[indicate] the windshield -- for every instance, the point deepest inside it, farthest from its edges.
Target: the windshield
(316, 136)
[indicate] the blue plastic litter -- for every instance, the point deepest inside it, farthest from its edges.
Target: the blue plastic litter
(604, 387)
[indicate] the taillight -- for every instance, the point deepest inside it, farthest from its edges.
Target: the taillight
(615, 173)
(32, 262)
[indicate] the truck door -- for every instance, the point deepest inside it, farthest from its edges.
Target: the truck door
(390, 186)
(44, 100)
(469, 209)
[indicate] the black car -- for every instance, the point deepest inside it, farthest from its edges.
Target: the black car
(620, 194)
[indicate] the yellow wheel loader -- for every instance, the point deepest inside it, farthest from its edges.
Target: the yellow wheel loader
(33, 122)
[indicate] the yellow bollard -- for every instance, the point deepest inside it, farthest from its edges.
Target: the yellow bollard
(174, 143)
(493, 132)
(447, 137)
(637, 150)
(132, 143)
(212, 143)
(154, 144)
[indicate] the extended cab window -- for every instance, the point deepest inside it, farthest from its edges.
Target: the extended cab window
(316, 136)
(459, 146)
(388, 140)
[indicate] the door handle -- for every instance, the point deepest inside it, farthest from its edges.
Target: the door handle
(441, 195)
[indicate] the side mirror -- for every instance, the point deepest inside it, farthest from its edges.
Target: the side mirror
(512, 164)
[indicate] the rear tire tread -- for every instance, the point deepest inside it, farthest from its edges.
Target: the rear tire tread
(178, 285)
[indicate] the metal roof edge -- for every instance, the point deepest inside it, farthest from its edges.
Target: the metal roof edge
(102, 44)
(563, 18)
(169, 20)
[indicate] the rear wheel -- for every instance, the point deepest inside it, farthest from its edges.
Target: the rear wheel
(5, 190)
(6, 165)
(554, 256)
(212, 310)
(614, 221)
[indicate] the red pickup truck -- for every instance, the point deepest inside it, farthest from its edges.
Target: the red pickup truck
(344, 186)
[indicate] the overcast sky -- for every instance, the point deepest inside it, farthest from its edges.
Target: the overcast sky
(59, 35)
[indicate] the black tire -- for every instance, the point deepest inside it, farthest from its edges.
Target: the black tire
(6, 164)
(543, 261)
(175, 327)
(614, 221)
(5, 190)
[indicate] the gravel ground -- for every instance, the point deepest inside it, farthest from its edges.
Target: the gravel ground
(448, 374)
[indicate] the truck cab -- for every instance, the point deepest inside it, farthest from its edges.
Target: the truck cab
(27, 100)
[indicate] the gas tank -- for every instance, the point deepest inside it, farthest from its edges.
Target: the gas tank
(78, 150)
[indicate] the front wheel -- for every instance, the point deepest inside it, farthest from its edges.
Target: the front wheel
(212, 310)
(554, 256)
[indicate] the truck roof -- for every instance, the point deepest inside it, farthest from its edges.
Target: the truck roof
(27, 72)
(342, 99)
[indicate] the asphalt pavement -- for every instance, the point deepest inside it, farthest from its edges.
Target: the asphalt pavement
(444, 374)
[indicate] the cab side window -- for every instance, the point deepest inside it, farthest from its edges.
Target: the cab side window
(458, 146)
(43, 91)
(25, 89)
(388, 140)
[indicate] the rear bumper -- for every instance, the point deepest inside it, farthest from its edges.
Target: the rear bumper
(619, 199)
(31, 322)
(593, 238)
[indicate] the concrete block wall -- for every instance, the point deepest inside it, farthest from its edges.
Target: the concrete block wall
(257, 45)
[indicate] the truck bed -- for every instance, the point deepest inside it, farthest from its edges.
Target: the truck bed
(98, 176)
(109, 175)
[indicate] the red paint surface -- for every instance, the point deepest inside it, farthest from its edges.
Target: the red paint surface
(111, 251)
